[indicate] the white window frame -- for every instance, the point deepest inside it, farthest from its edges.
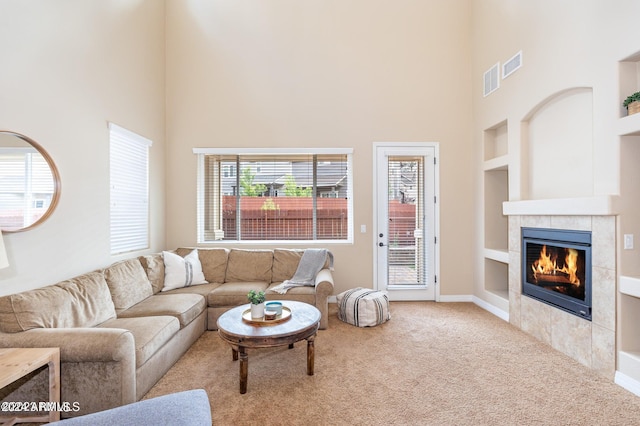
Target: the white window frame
(202, 152)
(129, 190)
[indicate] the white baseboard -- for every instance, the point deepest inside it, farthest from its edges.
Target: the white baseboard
(630, 384)
(489, 307)
(455, 298)
(461, 298)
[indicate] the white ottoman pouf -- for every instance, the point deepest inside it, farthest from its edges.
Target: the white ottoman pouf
(363, 307)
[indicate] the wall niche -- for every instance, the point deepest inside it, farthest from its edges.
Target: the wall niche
(558, 152)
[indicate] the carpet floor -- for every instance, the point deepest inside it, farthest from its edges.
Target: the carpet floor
(431, 364)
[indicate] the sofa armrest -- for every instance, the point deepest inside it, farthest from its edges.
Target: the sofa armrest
(324, 288)
(76, 344)
(98, 366)
(324, 283)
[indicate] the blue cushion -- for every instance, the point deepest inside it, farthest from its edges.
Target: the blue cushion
(182, 408)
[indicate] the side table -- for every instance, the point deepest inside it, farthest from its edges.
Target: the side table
(16, 363)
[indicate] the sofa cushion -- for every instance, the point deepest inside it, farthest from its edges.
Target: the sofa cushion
(153, 265)
(214, 262)
(285, 263)
(83, 301)
(249, 265)
(185, 307)
(149, 333)
(233, 294)
(182, 271)
(128, 283)
(203, 289)
(305, 294)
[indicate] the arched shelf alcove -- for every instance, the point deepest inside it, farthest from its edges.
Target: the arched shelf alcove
(557, 146)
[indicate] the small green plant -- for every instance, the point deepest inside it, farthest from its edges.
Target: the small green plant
(247, 187)
(631, 98)
(256, 297)
(291, 188)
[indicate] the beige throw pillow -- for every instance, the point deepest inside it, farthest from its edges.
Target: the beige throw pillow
(182, 271)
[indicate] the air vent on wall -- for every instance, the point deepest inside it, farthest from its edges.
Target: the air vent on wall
(491, 79)
(512, 65)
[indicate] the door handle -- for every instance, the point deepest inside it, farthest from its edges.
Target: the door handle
(381, 244)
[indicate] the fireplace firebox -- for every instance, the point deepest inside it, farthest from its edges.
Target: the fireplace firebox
(556, 268)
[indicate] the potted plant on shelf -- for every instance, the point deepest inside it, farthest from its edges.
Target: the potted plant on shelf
(632, 103)
(257, 299)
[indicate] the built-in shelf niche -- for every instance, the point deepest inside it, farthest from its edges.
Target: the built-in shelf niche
(496, 187)
(495, 142)
(628, 127)
(496, 224)
(629, 69)
(496, 278)
(629, 355)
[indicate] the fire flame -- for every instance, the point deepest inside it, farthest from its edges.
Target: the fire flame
(548, 265)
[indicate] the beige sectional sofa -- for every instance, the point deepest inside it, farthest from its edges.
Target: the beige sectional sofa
(119, 332)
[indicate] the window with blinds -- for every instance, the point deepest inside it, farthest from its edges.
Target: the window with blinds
(274, 196)
(129, 194)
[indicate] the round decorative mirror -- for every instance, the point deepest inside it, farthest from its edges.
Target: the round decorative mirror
(29, 183)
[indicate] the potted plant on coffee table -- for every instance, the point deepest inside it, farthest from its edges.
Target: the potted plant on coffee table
(257, 299)
(632, 103)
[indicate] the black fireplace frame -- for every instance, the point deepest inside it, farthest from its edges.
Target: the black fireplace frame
(580, 240)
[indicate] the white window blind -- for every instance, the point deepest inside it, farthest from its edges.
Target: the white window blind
(129, 195)
(274, 195)
(406, 259)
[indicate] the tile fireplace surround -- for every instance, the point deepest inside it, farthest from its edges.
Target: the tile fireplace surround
(591, 343)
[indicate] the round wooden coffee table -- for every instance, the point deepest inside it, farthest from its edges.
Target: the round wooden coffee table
(302, 325)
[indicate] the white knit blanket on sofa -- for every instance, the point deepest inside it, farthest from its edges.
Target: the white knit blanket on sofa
(311, 262)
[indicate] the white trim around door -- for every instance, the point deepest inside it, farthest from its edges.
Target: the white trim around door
(406, 220)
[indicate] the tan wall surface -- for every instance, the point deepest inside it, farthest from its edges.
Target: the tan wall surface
(68, 67)
(283, 74)
(567, 46)
(269, 73)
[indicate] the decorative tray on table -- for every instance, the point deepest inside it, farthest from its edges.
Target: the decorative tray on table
(284, 316)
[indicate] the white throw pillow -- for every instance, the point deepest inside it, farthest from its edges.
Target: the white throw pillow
(182, 271)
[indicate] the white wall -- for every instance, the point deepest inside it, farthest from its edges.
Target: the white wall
(68, 67)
